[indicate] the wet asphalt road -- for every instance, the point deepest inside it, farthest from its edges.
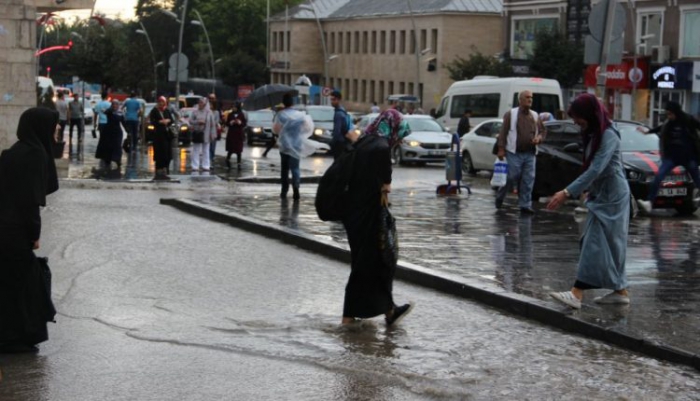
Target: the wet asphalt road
(155, 304)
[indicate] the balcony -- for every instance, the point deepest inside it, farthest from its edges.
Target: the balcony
(44, 6)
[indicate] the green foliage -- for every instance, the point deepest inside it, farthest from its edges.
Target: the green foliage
(477, 64)
(557, 58)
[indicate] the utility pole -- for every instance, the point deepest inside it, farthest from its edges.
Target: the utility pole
(179, 55)
(607, 37)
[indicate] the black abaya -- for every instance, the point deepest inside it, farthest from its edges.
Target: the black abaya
(27, 175)
(162, 151)
(369, 289)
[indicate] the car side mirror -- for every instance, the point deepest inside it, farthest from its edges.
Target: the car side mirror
(572, 148)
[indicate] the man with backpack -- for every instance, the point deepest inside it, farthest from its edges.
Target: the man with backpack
(342, 126)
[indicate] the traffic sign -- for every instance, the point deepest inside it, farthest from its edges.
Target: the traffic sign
(326, 91)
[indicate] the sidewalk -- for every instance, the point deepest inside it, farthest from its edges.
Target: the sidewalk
(464, 246)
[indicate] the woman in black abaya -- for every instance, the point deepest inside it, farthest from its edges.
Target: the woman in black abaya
(27, 175)
(369, 289)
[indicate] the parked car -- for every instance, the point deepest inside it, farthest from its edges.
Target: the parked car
(428, 141)
(559, 163)
(323, 123)
(89, 114)
(259, 126)
(477, 146)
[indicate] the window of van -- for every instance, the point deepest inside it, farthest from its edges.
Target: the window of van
(484, 105)
(442, 110)
(541, 102)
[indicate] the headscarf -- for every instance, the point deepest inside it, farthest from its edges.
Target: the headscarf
(390, 125)
(677, 109)
(203, 118)
(28, 165)
(163, 100)
(589, 108)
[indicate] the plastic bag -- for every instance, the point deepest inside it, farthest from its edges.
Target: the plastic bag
(388, 239)
(500, 173)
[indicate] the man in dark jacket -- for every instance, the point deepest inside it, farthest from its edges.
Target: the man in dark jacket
(679, 145)
(340, 126)
(463, 127)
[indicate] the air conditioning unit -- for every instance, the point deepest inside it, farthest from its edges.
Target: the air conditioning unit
(660, 54)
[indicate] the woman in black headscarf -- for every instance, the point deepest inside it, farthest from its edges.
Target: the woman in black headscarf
(27, 175)
(109, 147)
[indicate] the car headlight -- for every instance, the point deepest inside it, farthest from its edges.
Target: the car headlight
(151, 127)
(183, 128)
(413, 144)
(633, 175)
(257, 130)
(318, 131)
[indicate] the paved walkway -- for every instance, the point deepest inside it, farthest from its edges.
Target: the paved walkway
(529, 255)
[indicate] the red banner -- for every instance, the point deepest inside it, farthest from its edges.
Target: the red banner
(621, 76)
(245, 90)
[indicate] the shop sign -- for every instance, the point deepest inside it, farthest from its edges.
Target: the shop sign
(664, 77)
(245, 90)
(621, 76)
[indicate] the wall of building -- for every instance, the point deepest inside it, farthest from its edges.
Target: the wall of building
(375, 66)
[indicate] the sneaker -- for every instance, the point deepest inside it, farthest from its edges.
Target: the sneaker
(400, 312)
(644, 205)
(581, 209)
(613, 299)
(567, 298)
(527, 210)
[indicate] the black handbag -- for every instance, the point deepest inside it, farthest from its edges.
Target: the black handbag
(46, 302)
(126, 145)
(388, 239)
(198, 137)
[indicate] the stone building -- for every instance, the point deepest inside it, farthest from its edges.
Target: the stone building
(370, 52)
(17, 47)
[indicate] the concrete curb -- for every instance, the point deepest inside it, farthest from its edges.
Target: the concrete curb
(305, 179)
(474, 289)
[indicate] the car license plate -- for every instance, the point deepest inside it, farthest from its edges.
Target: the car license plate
(436, 152)
(673, 191)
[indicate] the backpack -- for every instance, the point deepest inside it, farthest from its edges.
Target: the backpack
(332, 194)
(348, 122)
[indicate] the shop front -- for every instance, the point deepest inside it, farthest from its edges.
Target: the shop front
(626, 88)
(670, 82)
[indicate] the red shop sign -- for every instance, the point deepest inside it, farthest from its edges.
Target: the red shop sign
(245, 90)
(621, 76)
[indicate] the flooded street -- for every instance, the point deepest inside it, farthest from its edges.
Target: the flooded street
(155, 304)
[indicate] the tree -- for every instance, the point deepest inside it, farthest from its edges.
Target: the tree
(477, 64)
(557, 58)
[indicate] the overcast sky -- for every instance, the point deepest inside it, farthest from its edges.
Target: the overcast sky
(123, 9)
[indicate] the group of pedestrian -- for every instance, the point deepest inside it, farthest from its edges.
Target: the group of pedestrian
(70, 114)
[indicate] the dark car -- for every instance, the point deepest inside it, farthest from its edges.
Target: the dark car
(259, 126)
(559, 163)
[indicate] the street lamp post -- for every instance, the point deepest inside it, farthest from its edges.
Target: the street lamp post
(179, 50)
(416, 86)
(200, 22)
(144, 32)
(326, 59)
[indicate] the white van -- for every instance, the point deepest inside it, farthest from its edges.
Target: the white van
(490, 97)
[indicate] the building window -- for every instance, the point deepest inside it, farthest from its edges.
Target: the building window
(374, 42)
(423, 39)
(523, 32)
(357, 42)
(391, 88)
(402, 42)
(363, 91)
(402, 87)
(289, 40)
(412, 40)
(274, 41)
(392, 42)
(331, 82)
(280, 45)
(381, 92)
(650, 24)
(410, 88)
(382, 42)
(346, 88)
(690, 32)
(354, 90)
(348, 38)
(372, 98)
(365, 44)
(332, 43)
(340, 42)
(434, 41)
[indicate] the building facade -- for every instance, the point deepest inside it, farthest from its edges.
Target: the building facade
(370, 50)
(18, 43)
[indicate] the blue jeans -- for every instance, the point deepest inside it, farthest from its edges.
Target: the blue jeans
(521, 172)
(132, 129)
(212, 151)
(290, 163)
(690, 165)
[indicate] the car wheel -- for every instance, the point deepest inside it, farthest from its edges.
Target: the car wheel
(690, 204)
(468, 164)
(250, 141)
(397, 157)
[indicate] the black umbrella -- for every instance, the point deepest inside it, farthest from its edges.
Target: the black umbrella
(267, 96)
